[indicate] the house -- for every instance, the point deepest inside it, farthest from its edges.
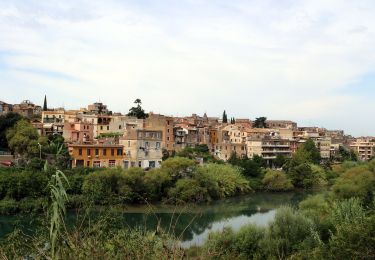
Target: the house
(142, 148)
(96, 155)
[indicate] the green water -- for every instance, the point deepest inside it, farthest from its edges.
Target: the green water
(191, 223)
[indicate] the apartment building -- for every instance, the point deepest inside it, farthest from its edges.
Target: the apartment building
(96, 155)
(142, 148)
(268, 148)
(324, 146)
(281, 124)
(364, 147)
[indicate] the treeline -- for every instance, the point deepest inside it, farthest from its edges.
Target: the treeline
(178, 180)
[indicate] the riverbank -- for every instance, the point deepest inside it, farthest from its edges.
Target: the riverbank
(191, 222)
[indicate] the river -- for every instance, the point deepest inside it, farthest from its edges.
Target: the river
(191, 224)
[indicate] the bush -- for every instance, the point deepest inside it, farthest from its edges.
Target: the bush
(355, 182)
(288, 233)
(276, 181)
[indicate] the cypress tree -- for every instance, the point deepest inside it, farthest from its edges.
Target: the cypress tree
(45, 103)
(225, 118)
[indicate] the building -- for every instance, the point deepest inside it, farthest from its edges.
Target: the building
(142, 148)
(162, 123)
(27, 109)
(324, 146)
(364, 147)
(96, 155)
(98, 108)
(281, 124)
(5, 108)
(78, 132)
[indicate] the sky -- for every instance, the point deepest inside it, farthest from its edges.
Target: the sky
(309, 61)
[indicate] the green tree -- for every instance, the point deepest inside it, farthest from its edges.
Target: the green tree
(280, 160)
(24, 139)
(260, 122)
(225, 117)
(313, 151)
(276, 181)
(137, 111)
(356, 182)
(45, 108)
(6, 122)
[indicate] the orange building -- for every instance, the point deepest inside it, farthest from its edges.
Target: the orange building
(96, 155)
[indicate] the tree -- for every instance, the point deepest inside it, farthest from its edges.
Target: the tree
(225, 118)
(276, 181)
(137, 111)
(45, 108)
(314, 152)
(6, 122)
(346, 154)
(260, 122)
(24, 140)
(280, 160)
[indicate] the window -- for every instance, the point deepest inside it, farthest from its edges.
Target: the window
(151, 164)
(168, 138)
(126, 164)
(132, 164)
(104, 152)
(119, 151)
(139, 164)
(119, 127)
(88, 152)
(101, 127)
(128, 143)
(88, 163)
(80, 151)
(112, 163)
(97, 152)
(157, 145)
(96, 164)
(79, 163)
(107, 127)
(146, 144)
(112, 152)
(168, 130)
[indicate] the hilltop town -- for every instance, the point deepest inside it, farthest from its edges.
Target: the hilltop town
(97, 137)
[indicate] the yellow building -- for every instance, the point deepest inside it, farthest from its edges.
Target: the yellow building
(96, 155)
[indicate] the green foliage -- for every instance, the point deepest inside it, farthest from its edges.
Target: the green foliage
(260, 122)
(211, 181)
(7, 122)
(199, 151)
(59, 198)
(345, 154)
(280, 160)
(137, 111)
(23, 139)
(250, 167)
(355, 182)
(289, 232)
(276, 181)
(225, 117)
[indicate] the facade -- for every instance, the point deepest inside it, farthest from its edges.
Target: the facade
(142, 148)
(96, 155)
(78, 132)
(27, 109)
(364, 147)
(5, 108)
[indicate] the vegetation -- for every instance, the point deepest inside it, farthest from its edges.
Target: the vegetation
(7, 121)
(276, 181)
(260, 122)
(137, 111)
(225, 117)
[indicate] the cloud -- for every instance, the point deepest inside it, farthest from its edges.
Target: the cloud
(283, 59)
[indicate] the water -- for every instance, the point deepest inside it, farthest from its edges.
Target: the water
(191, 224)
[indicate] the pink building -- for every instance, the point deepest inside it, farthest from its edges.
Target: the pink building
(78, 132)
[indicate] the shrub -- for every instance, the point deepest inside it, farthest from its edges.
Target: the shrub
(355, 182)
(276, 181)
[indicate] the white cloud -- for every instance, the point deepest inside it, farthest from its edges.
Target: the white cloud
(282, 59)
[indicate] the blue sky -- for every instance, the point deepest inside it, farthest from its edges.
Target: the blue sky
(310, 61)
